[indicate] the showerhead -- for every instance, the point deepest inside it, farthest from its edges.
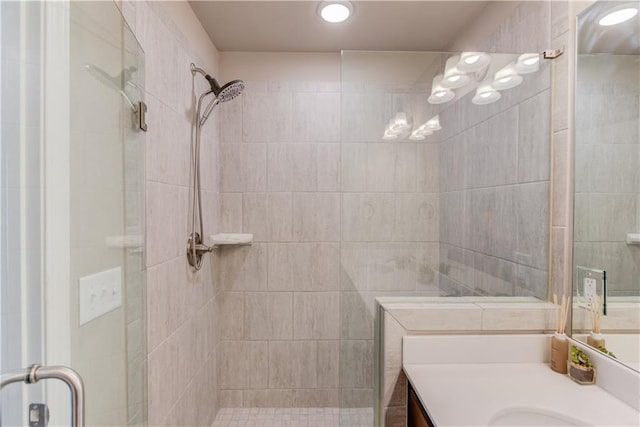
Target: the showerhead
(226, 92)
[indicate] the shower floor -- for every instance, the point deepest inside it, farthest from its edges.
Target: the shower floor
(294, 417)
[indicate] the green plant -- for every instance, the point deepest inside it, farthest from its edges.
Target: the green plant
(579, 357)
(607, 352)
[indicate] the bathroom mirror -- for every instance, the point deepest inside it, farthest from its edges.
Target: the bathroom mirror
(606, 247)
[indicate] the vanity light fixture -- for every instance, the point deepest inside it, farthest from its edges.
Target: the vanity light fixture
(433, 124)
(453, 77)
(399, 123)
(335, 11)
(528, 63)
(389, 134)
(428, 128)
(618, 16)
(473, 61)
(397, 128)
(420, 133)
(486, 94)
(506, 78)
(439, 93)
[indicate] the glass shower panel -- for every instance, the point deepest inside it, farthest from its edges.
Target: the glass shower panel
(107, 202)
(445, 191)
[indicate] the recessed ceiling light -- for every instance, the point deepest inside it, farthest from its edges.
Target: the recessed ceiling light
(618, 16)
(335, 11)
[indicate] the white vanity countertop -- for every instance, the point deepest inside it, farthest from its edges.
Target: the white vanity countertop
(476, 394)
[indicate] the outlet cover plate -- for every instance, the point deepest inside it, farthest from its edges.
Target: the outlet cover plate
(99, 294)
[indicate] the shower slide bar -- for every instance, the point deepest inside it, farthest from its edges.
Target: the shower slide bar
(35, 373)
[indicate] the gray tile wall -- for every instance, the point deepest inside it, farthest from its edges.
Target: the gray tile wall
(494, 181)
(335, 224)
(182, 309)
(607, 181)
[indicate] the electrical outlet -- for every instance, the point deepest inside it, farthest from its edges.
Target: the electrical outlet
(590, 288)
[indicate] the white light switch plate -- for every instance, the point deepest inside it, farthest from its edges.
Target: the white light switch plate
(99, 294)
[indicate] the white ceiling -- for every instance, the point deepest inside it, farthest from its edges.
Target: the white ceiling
(294, 26)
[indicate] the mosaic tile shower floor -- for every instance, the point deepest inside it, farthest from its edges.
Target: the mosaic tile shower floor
(294, 417)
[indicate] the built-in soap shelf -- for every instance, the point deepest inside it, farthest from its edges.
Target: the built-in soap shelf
(231, 239)
(633, 238)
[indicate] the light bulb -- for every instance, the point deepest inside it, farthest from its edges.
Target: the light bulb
(506, 78)
(471, 59)
(453, 77)
(440, 94)
(486, 94)
(470, 62)
(618, 17)
(335, 11)
(528, 63)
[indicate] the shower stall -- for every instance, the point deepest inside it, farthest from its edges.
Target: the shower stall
(387, 183)
(414, 175)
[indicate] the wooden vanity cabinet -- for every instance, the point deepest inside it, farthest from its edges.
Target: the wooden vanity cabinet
(416, 415)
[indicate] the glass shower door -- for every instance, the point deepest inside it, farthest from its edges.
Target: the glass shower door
(72, 209)
(106, 203)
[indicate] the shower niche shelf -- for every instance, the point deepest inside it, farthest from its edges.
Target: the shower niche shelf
(231, 239)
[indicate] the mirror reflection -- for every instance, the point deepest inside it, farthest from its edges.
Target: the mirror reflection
(606, 262)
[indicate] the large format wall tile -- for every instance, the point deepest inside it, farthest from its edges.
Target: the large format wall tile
(316, 315)
(492, 151)
(367, 114)
(316, 117)
(534, 127)
(244, 268)
(292, 364)
(316, 217)
(416, 218)
(367, 217)
(328, 364)
(356, 363)
(243, 364)
(244, 167)
(354, 170)
(428, 168)
(304, 266)
(268, 315)
(267, 216)
(266, 116)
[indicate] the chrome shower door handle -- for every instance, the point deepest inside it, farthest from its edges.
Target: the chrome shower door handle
(71, 378)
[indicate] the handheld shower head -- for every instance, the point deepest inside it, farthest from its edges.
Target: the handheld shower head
(208, 110)
(226, 92)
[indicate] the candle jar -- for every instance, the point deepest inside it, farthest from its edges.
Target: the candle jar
(559, 353)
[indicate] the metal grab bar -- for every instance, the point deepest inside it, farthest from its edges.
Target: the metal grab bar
(35, 373)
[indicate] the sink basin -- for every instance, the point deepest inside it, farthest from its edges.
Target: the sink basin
(529, 416)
